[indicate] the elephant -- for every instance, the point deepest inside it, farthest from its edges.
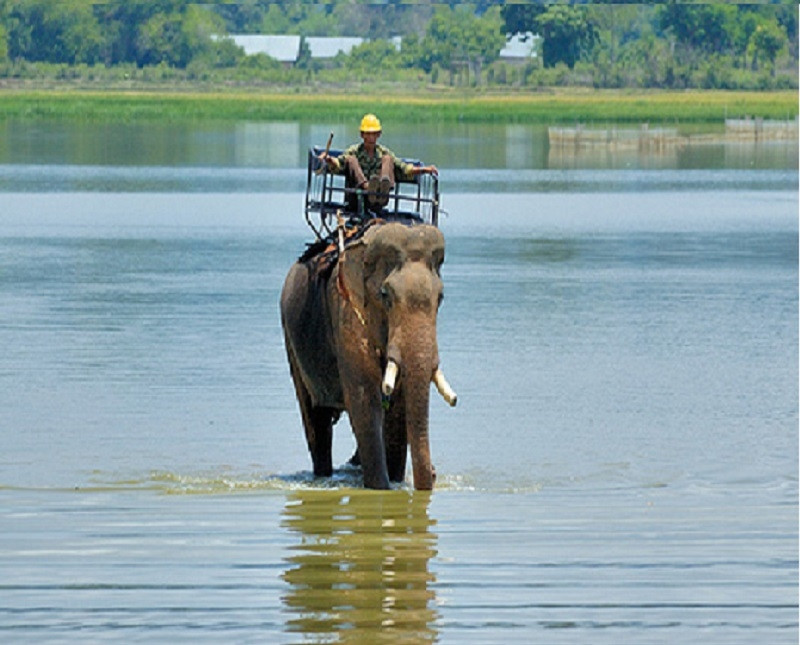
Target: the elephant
(359, 323)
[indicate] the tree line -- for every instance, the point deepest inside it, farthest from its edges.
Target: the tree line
(659, 45)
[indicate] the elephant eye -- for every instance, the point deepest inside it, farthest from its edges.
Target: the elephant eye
(385, 295)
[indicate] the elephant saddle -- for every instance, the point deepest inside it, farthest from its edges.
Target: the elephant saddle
(323, 254)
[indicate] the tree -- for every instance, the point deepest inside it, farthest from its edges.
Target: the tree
(241, 17)
(786, 15)
(519, 18)
(159, 41)
(307, 19)
(646, 62)
(703, 27)
(317, 20)
(223, 53)
(615, 25)
(375, 55)
(767, 40)
(58, 32)
(744, 28)
(275, 21)
(177, 37)
(3, 44)
(566, 35)
(304, 60)
(458, 38)
(123, 22)
(670, 44)
(198, 26)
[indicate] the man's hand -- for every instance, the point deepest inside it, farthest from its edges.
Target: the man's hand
(327, 158)
(426, 170)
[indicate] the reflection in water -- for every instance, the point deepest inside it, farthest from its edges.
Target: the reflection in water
(283, 146)
(520, 147)
(711, 155)
(274, 145)
(359, 572)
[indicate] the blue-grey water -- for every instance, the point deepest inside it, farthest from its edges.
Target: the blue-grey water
(621, 467)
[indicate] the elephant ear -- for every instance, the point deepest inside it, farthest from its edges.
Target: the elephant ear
(351, 273)
(384, 252)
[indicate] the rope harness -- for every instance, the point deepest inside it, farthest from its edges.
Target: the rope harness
(323, 256)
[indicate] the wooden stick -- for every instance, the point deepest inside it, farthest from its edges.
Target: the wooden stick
(327, 150)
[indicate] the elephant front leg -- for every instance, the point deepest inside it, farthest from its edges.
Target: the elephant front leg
(363, 404)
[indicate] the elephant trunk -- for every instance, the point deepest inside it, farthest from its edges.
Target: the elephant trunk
(419, 360)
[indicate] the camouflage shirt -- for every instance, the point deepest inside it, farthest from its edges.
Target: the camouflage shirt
(371, 165)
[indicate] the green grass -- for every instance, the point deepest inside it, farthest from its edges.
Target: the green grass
(554, 107)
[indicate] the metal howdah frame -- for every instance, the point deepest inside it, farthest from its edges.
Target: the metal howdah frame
(327, 195)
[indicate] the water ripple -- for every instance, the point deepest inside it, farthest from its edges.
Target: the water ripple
(204, 179)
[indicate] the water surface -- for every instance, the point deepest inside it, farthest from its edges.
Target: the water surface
(621, 467)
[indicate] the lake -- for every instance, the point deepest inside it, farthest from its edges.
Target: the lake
(621, 329)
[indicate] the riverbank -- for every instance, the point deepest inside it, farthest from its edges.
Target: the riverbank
(553, 106)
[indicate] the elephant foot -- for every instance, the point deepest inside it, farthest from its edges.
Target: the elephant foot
(325, 470)
(321, 460)
(377, 482)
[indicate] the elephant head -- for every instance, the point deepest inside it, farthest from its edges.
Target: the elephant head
(380, 306)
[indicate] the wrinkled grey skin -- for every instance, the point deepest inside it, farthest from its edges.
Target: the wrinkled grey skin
(380, 303)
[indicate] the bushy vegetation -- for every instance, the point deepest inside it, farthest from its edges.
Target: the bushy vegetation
(545, 107)
(602, 45)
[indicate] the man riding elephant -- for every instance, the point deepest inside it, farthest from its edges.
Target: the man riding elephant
(371, 166)
(361, 337)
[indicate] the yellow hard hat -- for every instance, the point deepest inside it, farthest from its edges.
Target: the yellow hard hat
(370, 123)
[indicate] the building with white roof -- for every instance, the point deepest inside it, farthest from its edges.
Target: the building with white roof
(520, 47)
(324, 47)
(284, 49)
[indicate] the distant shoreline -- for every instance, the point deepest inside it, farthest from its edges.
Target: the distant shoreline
(546, 107)
(660, 138)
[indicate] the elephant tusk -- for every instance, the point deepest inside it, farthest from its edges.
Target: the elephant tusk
(389, 378)
(444, 388)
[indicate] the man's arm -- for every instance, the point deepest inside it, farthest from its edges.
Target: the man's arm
(424, 170)
(409, 171)
(335, 164)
